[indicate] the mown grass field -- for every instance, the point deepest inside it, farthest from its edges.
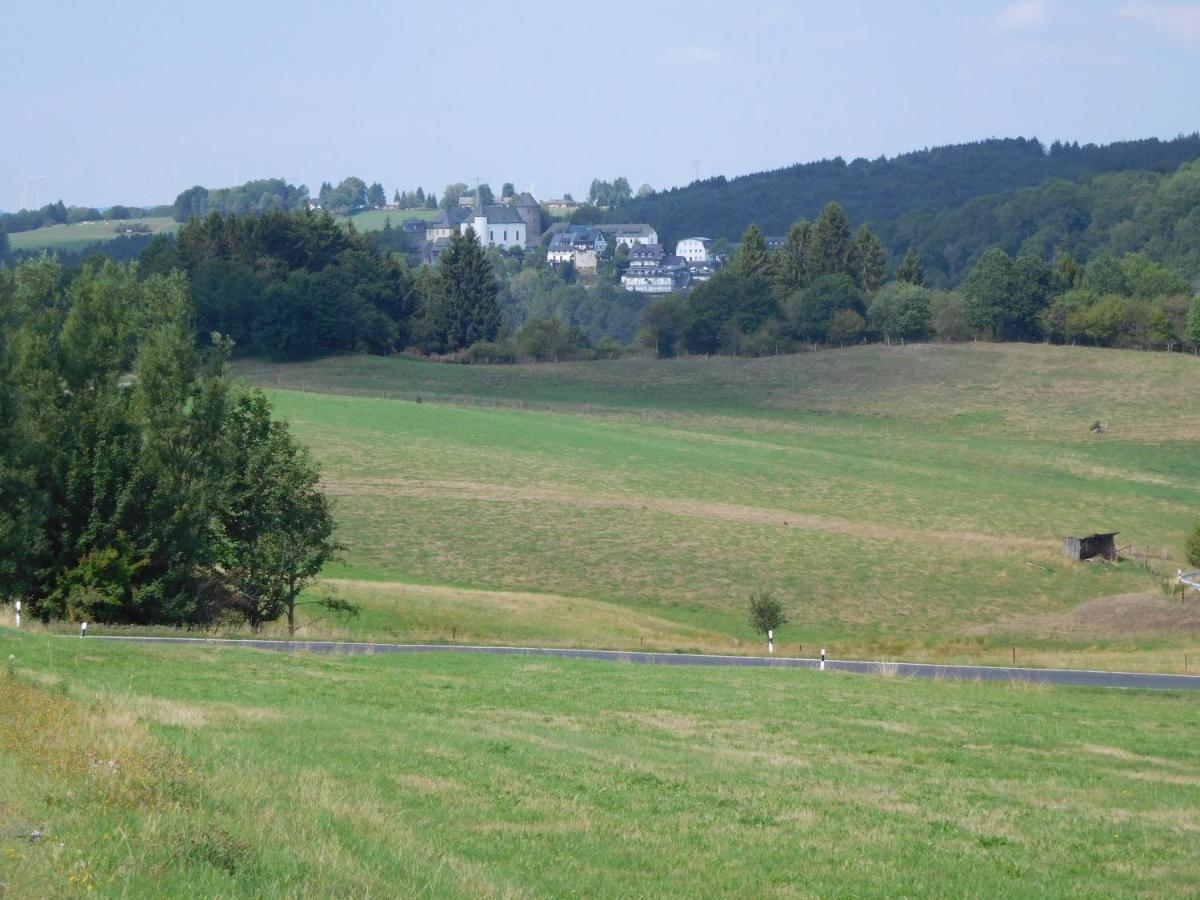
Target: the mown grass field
(375, 219)
(903, 502)
(185, 771)
(77, 237)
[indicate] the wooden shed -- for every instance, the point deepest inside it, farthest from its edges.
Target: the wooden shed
(1103, 544)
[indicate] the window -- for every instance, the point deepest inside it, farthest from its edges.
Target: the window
(506, 235)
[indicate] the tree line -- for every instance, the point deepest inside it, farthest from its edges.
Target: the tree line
(58, 213)
(882, 191)
(826, 285)
(138, 484)
(257, 196)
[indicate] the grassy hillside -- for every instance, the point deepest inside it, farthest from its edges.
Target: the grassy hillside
(188, 771)
(905, 501)
(374, 219)
(77, 237)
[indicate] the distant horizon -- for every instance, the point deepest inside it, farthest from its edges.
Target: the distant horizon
(580, 195)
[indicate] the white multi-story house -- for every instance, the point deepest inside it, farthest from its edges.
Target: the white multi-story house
(629, 235)
(651, 271)
(695, 249)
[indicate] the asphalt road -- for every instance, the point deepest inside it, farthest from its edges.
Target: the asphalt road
(1069, 677)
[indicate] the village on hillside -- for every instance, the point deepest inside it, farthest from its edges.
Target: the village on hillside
(515, 223)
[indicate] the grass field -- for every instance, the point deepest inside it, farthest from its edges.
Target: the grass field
(77, 237)
(374, 219)
(904, 502)
(173, 771)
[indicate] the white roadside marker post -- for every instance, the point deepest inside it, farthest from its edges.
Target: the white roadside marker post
(18, 613)
(822, 659)
(83, 629)
(770, 640)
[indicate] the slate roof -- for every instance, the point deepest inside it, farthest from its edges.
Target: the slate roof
(502, 215)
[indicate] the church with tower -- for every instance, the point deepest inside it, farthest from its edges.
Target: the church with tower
(507, 226)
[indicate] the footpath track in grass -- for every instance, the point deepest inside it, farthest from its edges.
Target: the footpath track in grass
(1060, 677)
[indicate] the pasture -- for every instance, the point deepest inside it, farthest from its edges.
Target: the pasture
(76, 237)
(375, 219)
(136, 770)
(904, 502)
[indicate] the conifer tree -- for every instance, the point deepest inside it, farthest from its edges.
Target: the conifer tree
(790, 274)
(829, 243)
(911, 270)
(868, 261)
(1193, 324)
(752, 259)
(463, 308)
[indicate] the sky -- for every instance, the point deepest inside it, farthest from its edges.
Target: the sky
(132, 102)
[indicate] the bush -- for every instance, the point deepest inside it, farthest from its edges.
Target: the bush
(490, 352)
(765, 612)
(1191, 548)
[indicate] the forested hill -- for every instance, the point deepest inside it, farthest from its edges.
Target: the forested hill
(881, 191)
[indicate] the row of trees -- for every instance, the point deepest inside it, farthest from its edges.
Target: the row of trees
(415, 199)
(824, 286)
(137, 483)
(59, 214)
(258, 196)
(292, 285)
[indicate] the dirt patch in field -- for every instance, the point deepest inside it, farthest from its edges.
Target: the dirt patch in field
(1122, 615)
(757, 515)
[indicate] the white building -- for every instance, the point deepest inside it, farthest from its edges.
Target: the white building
(497, 226)
(651, 271)
(580, 245)
(629, 235)
(695, 249)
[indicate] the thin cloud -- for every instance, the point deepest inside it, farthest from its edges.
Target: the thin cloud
(1024, 16)
(1179, 21)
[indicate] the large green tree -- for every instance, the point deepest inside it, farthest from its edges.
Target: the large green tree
(752, 259)
(829, 243)
(115, 469)
(867, 261)
(910, 270)
(810, 311)
(462, 307)
(1005, 297)
(275, 523)
(789, 272)
(1193, 324)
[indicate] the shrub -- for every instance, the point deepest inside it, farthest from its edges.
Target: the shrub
(1191, 547)
(491, 352)
(765, 612)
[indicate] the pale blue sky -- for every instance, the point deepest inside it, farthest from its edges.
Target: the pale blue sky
(133, 101)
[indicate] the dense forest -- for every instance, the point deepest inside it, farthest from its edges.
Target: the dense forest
(884, 191)
(1123, 212)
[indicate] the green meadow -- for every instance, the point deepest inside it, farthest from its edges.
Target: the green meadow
(903, 502)
(133, 771)
(76, 237)
(375, 219)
